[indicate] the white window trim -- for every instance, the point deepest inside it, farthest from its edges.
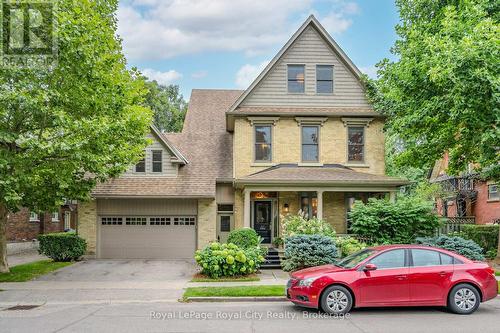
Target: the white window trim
(490, 199)
(34, 217)
(310, 163)
(153, 162)
(56, 218)
(262, 121)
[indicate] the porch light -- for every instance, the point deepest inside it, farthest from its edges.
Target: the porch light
(286, 208)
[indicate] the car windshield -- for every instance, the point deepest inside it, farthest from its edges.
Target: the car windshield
(352, 260)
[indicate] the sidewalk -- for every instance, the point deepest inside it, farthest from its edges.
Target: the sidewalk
(24, 258)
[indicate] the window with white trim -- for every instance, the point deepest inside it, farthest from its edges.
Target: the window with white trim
(34, 217)
(493, 193)
(310, 143)
(55, 216)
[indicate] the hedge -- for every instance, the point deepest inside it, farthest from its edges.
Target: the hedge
(485, 236)
(303, 251)
(64, 246)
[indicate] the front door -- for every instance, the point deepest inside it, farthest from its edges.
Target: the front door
(262, 220)
(225, 224)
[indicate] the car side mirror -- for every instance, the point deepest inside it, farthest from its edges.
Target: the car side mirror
(370, 267)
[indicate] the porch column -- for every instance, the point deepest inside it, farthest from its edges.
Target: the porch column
(246, 209)
(320, 204)
(392, 196)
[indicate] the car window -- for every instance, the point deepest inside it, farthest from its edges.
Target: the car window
(390, 259)
(446, 259)
(355, 258)
(425, 258)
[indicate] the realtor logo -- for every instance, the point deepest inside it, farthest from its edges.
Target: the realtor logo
(28, 33)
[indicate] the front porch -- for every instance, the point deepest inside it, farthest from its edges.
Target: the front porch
(264, 208)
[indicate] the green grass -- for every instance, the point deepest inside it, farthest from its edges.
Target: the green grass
(203, 278)
(234, 291)
(498, 287)
(26, 272)
(497, 273)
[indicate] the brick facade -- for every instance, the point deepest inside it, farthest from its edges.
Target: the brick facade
(20, 228)
(207, 215)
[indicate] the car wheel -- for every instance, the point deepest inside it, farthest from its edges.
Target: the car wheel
(336, 300)
(463, 299)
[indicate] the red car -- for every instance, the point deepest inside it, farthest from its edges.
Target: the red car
(395, 275)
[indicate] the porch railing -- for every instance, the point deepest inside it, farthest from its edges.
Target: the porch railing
(454, 224)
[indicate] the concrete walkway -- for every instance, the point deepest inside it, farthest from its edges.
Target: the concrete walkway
(24, 258)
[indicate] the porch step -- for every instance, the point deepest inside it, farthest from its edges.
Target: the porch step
(273, 260)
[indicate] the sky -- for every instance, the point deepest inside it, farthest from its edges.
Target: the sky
(225, 44)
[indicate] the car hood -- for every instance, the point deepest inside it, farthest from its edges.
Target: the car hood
(315, 271)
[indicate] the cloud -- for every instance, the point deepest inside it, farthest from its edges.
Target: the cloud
(164, 78)
(160, 29)
(199, 74)
(247, 74)
(371, 71)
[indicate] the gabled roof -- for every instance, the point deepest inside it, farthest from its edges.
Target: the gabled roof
(179, 158)
(311, 21)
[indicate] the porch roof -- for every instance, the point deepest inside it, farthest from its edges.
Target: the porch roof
(324, 175)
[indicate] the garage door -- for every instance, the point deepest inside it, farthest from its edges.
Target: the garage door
(147, 237)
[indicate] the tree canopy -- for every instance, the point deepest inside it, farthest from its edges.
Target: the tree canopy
(442, 94)
(64, 128)
(168, 105)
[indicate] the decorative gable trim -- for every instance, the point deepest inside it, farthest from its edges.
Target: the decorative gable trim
(178, 157)
(310, 120)
(311, 20)
(263, 120)
(365, 122)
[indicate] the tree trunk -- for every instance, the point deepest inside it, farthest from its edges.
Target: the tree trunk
(4, 266)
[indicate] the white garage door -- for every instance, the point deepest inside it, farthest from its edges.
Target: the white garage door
(147, 237)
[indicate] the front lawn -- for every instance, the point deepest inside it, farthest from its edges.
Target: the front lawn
(26, 272)
(240, 291)
(497, 273)
(244, 278)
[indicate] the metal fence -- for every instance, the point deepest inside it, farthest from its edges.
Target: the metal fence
(454, 224)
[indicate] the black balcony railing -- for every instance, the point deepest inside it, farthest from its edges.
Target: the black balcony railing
(455, 224)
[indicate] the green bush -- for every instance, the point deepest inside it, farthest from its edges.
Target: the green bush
(278, 241)
(484, 235)
(465, 247)
(303, 251)
(348, 245)
(64, 246)
(244, 238)
(393, 222)
(220, 260)
(299, 225)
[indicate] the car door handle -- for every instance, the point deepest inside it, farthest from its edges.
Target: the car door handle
(401, 277)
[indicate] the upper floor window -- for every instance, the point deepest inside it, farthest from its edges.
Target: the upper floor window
(296, 78)
(310, 147)
(141, 166)
(157, 161)
(34, 217)
(324, 79)
(493, 192)
(263, 145)
(356, 144)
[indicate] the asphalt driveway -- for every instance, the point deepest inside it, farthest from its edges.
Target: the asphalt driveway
(125, 271)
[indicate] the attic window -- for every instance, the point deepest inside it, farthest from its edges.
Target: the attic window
(324, 79)
(141, 166)
(157, 161)
(296, 78)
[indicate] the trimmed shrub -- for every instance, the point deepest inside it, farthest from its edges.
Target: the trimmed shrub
(484, 235)
(300, 225)
(244, 238)
(219, 260)
(465, 247)
(397, 222)
(348, 245)
(64, 246)
(303, 251)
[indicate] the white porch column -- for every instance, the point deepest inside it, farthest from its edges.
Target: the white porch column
(392, 196)
(320, 204)
(246, 209)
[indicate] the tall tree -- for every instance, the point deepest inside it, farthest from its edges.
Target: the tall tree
(168, 105)
(64, 128)
(443, 92)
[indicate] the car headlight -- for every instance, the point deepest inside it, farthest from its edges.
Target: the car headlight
(307, 282)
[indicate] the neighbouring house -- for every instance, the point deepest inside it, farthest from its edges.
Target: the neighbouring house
(467, 198)
(302, 136)
(26, 225)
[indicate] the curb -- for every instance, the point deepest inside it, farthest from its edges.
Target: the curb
(238, 299)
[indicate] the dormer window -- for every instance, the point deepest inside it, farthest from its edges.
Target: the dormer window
(324, 79)
(296, 79)
(141, 166)
(157, 161)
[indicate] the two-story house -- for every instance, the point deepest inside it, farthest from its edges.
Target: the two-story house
(302, 137)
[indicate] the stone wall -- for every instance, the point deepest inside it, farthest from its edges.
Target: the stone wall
(334, 210)
(87, 225)
(207, 225)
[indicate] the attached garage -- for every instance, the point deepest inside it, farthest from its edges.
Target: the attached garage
(146, 228)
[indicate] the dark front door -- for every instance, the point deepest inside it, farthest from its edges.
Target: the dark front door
(262, 220)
